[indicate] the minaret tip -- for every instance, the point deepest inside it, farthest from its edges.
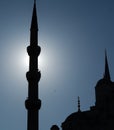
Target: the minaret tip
(106, 73)
(105, 53)
(34, 23)
(34, 1)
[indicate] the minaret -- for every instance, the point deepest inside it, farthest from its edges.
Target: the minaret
(33, 103)
(106, 73)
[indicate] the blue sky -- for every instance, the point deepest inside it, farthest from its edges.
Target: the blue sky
(73, 35)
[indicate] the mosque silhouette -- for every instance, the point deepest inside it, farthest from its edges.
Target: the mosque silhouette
(99, 117)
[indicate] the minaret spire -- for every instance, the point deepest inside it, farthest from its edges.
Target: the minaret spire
(34, 26)
(34, 17)
(106, 73)
(33, 103)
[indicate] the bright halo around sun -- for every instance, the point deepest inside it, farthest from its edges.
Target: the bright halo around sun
(25, 60)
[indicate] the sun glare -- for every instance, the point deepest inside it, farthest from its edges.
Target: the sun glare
(25, 61)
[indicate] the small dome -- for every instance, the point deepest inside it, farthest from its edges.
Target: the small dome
(54, 127)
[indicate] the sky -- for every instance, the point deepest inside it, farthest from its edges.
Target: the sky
(73, 35)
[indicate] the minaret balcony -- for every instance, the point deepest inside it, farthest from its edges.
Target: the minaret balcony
(33, 76)
(33, 50)
(33, 104)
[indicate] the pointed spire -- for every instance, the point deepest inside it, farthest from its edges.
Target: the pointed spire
(79, 104)
(34, 24)
(106, 73)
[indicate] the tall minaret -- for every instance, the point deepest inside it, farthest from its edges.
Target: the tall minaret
(33, 103)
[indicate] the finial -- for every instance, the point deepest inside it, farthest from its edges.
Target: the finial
(106, 73)
(78, 104)
(34, 1)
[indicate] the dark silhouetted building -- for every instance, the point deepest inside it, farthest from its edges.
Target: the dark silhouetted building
(33, 103)
(100, 116)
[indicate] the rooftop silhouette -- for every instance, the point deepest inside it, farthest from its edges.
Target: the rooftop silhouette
(100, 116)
